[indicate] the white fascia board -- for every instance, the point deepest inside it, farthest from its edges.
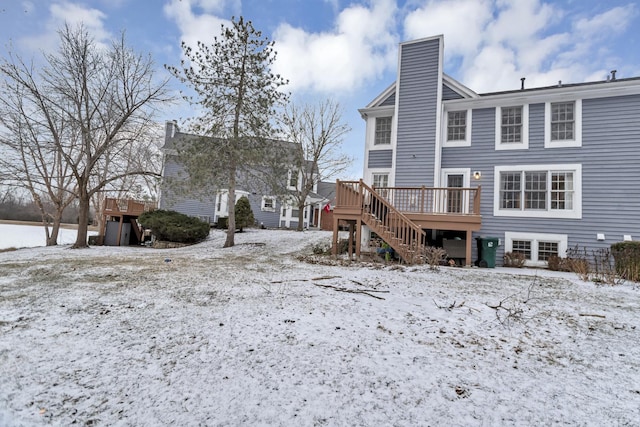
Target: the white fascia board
(458, 87)
(380, 98)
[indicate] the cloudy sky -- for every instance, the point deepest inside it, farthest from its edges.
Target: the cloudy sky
(347, 49)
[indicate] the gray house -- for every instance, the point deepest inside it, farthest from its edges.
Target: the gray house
(271, 208)
(540, 169)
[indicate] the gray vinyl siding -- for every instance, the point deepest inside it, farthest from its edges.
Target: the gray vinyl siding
(380, 159)
(187, 205)
(390, 101)
(610, 159)
(266, 218)
(418, 104)
(448, 93)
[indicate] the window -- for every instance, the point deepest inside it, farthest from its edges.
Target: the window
(546, 249)
(458, 129)
(512, 127)
(563, 124)
(522, 247)
(380, 180)
(383, 131)
(562, 121)
(456, 125)
(510, 190)
(538, 191)
(562, 190)
(536, 247)
(268, 204)
(295, 213)
(535, 190)
(293, 179)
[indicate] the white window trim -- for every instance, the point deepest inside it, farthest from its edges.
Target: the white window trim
(445, 126)
(577, 132)
(370, 136)
(535, 238)
(375, 126)
(575, 213)
(263, 206)
(371, 128)
(524, 144)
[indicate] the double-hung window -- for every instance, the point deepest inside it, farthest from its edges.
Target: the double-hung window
(512, 127)
(268, 204)
(458, 129)
(293, 179)
(383, 131)
(563, 124)
(456, 125)
(552, 191)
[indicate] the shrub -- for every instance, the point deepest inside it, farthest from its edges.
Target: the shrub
(223, 223)
(514, 259)
(173, 226)
(626, 256)
(555, 263)
(244, 214)
(434, 256)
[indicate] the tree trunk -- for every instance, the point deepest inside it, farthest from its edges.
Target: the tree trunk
(300, 216)
(52, 239)
(231, 204)
(84, 201)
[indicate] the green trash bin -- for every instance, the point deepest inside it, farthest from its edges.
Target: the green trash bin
(487, 247)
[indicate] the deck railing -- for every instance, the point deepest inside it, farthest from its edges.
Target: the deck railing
(421, 200)
(126, 206)
(382, 217)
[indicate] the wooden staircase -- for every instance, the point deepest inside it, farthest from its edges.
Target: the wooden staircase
(359, 203)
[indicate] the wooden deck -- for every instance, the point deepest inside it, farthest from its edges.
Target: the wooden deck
(399, 215)
(124, 211)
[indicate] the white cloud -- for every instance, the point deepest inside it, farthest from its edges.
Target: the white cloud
(194, 27)
(362, 46)
(613, 21)
(74, 15)
(496, 42)
(462, 23)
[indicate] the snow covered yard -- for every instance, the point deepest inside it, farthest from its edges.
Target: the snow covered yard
(251, 335)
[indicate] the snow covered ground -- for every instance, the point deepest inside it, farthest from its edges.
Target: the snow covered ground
(252, 335)
(29, 236)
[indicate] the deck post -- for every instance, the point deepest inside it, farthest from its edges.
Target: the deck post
(119, 230)
(334, 245)
(351, 224)
(468, 250)
(358, 237)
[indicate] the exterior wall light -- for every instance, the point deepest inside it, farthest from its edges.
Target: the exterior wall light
(477, 175)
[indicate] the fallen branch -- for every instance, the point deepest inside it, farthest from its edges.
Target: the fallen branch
(326, 277)
(449, 307)
(602, 316)
(354, 291)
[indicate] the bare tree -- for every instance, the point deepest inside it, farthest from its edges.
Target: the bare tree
(32, 129)
(318, 131)
(238, 96)
(144, 155)
(106, 99)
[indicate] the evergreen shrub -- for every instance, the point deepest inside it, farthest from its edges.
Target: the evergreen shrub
(173, 226)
